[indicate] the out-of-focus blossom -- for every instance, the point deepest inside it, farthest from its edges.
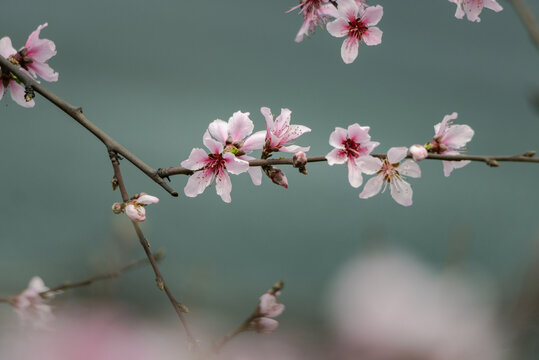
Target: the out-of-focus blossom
(135, 207)
(473, 8)
(236, 138)
(315, 13)
(31, 306)
(215, 165)
(269, 306)
(8, 81)
(418, 152)
(264, 325)
(391, 171)
(357, 24)
(34, 55)
(388, 306)
(450, 139)
(280, 134)
(352, 147)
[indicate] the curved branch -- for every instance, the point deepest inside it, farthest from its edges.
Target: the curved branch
(528, 20)
(490, 160)
(77, 115)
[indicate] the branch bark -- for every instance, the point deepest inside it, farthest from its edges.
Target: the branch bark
(528, 19)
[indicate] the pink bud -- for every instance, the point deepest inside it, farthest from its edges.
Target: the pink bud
(269, 306)
(135, 212)
(264, 325)
(276, 175)
(299, 159)
(418, 152)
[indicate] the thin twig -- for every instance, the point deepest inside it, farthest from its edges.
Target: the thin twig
(528, 19)
(159, 279)
(159, 255)
(77, 115)
(491, 160)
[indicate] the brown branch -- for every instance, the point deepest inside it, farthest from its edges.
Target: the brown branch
(491, 160)
(159, 279)
(114, 274)
(77, 115)
(528, 19)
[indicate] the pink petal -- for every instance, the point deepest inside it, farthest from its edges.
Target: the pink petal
(198, 182)
(6, 49)
(472, 8)
(328, 10)
(418, 152)
(349, 50)
(147, 199)
(372, 15)
(135, 213)
(492, 5)
(240, 126)
(372, 187)
(458, 136)
(410, 168)
(282, 122)
(269, 306)
(373, 36)
(303, 30)
(40, 50)
(354, 174)
(295, 131)
(369, 164)
(254, 142)
(219, 130)
(255, 172)
(234, 165)
(449, 166)
(223, 186)
(338, 28)
(338, 137)
(369, 146)
(336, 156)
(459, 13)
(359, 134)
(197, 159)
(348, 9)
(401, 191)
(17, 94)
(37, 285)
(264, 325)
(43, 70)
(214, 146)
(294, 148)
(441, 128)
(269, 118)
(396, 154)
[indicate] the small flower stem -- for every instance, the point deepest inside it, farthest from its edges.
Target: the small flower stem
(159, 279)
(528, 20)
(77, 115)
(106, 276)
(490, 160)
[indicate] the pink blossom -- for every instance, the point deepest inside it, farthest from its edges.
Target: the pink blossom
(473, 8)
(391, 171)
(352, 146)
(31, 306)
(264, 325)
(214, 165)
(236, 138)
(450, 139)
(280, 134)
(418, 152)
(299, 161)
(269, 306)
(135, 207)
(34, 55)
(315, 13)
(7, 81)
(357, 23)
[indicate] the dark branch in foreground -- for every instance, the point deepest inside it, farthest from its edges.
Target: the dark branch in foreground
(490, 160)
(158, 256)
(528, 20)
(77, 115)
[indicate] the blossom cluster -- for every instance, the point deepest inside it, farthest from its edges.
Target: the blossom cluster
(32, 59)
(268, 308)
(357, 21)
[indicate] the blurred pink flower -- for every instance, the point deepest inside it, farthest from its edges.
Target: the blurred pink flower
(135, 207)
(357, 23)
(390, 171)
(450, 139)
(473, 8)
(269, 306)
(31, 306)
(315, 13)
(6, 79)
(351, 147)
(418, 152)
(280, 134)
(34, 55)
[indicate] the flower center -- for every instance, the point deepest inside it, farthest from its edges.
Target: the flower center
(389, 170)
(352, 148)
(356, 29)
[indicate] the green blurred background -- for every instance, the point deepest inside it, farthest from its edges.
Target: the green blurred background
(154, 75)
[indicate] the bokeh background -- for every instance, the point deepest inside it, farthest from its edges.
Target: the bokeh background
(154, 75)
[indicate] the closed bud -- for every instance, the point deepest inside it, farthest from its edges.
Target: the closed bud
(418, 152)
(117, 208)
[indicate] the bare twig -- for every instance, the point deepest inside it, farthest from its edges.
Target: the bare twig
(528, 19)
(159, 279)
(491, 160)
(77, 115)
(159, 255)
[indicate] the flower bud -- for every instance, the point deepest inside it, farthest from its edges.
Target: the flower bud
(269, 306)
(418, 152)
(117, 208)
(299, 161)
(277, 176)
(264, 325)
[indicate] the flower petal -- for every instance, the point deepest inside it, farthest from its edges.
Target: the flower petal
(37, 284)
(6, 49)
(473, 9)
(401, 191)
(223, 186)
(198, 182)
(369, 164)
(338, 28)
(492, 5)
(348, 9)
(410, 168)
(235, 165)
(294, 148)
(336, 156)
(43, 70)
(214, 146)
(373, 36)
(372, 15)
(449, 166)
(338, 137)
(40, 49)
(240, 126)
(255, 172)
(458, 136)
(349, 50)
(147, 199)
(254, 142)
(359, 134)
(197, 159)
(135, 213)
(18, 95)
(372, 187)
(219, 129)
(354, 174)
(396, 154)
